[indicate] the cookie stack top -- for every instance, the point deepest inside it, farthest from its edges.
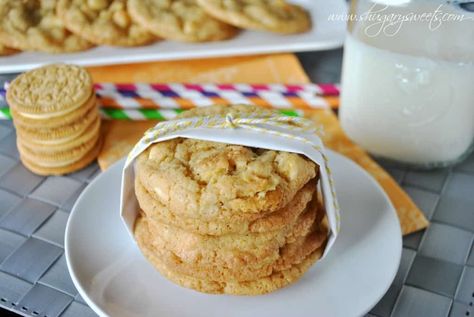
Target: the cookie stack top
(217, 182)
(219, 217)
(55, 112)
(51, 91)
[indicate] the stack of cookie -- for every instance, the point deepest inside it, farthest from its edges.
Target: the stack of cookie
(56, 117)
(221, 218)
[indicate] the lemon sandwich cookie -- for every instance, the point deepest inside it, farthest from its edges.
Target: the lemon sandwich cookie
(55, 113)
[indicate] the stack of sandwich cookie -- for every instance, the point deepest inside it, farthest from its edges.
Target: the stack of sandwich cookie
(222, 218)
(55, 113)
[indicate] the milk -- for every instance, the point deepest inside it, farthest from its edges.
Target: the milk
(410, 96)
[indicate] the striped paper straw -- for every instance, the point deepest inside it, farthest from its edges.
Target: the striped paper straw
(145, 114)
(319, 89)
(5, 114)
(139, 114)
(185, 96)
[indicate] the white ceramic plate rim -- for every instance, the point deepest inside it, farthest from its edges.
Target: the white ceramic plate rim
(85, 295)
(325, 35)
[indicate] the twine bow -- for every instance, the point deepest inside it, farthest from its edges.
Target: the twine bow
(232, 121)
(229, 120)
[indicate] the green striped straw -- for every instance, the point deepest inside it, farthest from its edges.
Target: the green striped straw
(5, 113)
(145, 114)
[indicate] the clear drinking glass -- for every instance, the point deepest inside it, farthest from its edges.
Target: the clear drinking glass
(408, 80)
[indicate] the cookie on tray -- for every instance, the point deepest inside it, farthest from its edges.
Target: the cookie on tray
(265, 15)
(34, 25)
(103, 22)
(181, 20)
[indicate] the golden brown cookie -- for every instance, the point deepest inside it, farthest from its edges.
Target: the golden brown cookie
(66, 169)
(181, 20)
(232, 224)
(272, 282)
(50, 91)
(251, 244)
(43, 157)
(46, 148)
(63, 134)
(33, 25)
(239, 258)
(57, 121)
(205, 180)
(103, 22)
(266, 15)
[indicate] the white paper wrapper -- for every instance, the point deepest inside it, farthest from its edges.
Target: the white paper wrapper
(274, 132)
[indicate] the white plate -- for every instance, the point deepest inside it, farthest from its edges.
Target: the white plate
(115, 279)
(324, 35)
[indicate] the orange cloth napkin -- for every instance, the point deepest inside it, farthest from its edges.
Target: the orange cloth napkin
(120, 136)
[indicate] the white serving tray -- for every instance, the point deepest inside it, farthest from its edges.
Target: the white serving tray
(325, 34)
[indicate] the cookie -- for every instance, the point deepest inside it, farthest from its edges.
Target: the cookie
(33, 25)
(56, 121)
(253, 244)
(45, 148)
(272, 282)
(103, 22)
(201, 179)
(63, 134)
(241, 258)
(45, 158)
(66, 169)
(181, 20)
(293, 254)
(233, 223)
(49, 91)
(265, 15)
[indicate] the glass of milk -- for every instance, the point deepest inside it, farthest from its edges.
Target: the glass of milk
(408, 80)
